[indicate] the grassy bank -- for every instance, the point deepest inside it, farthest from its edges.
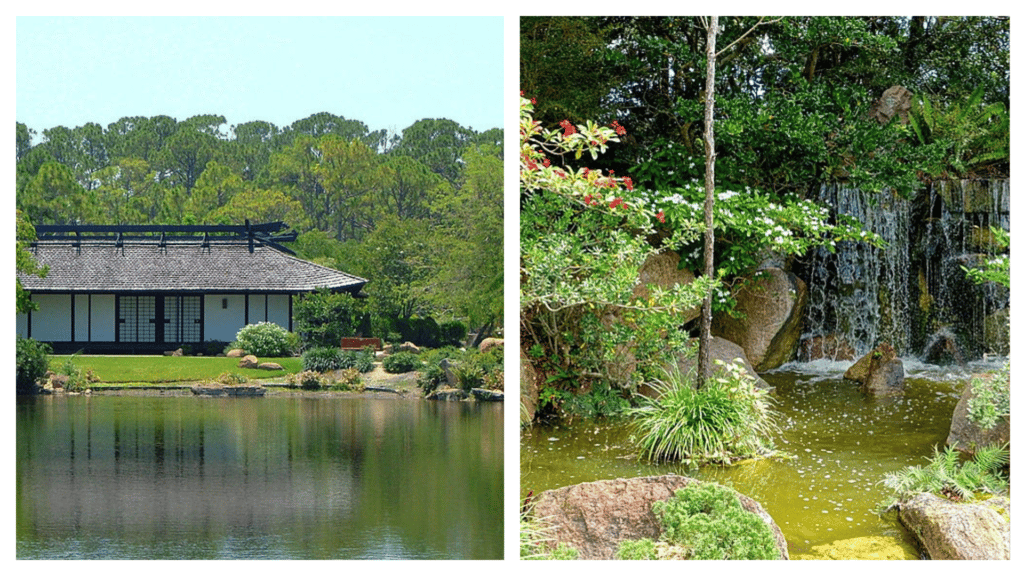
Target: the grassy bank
(145, 370)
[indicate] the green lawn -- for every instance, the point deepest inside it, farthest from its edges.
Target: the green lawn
(170, 369)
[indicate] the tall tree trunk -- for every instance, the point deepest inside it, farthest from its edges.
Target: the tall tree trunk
(704, 355)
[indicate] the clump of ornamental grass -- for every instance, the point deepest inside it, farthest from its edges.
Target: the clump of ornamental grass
(727, 419)
(536, 542)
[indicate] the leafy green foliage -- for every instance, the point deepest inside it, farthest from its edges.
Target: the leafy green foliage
(582, 243)
(727, 419)
(264, 339)
(946, 475)
(323, 317)
(708, 520)
(971, 135)
(642, 549)
(32, 359)
(307, 380)
(997, 267)
(401, 362)
(26, 263)
(328, 359)
(991, 400)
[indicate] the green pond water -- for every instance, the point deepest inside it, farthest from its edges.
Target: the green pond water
(109, 477)
(840, 444)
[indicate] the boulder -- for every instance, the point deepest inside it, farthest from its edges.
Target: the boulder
(235, 353)
(997, 332)
(966, 436)
(409, 347)
(269, 366)
(771, 310)
(485, 395)
(528, 389)
(448, 395)
(489, 343)
(879, 372)
(829, 347)
(594, 517)
(959, 531)
(175, 353)
(662, 270)
(894, 102)
(217, 389)
(726, 351)
(249, 361)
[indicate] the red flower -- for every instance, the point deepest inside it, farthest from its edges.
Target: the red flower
(628, 182)
(618, 128)
(660, 216)
(547, 163)
(615, 202)
(569, 128)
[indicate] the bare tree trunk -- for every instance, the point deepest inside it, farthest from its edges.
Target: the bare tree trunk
(704, 354)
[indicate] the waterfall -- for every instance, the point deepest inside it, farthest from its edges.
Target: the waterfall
(913, 294)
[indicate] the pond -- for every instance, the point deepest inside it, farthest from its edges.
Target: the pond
(119, 477)
(840, 444)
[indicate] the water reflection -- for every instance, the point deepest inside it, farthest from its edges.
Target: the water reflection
(130, 477)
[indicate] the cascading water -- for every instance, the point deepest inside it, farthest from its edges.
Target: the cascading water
(913, 294)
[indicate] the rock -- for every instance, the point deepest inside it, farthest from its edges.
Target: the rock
(830, 347)
(528, 389)
(594, 517)
(249, 361)
(965, 435)
(879, 372)
(726, 351)
(959, 531)
(997, 332)
(894, 102)
(409, 347)
(269, 366)
(215, 389)
(489, 343)
(485, 395)
(448, 395)
(449, 374)
(177, 352)
(772, 310)
(863, 548)
(663, 270)
(235, 353)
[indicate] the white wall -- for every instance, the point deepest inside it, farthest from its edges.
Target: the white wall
(223, 323)
(103, 320)
(277, 309)
(52, 321)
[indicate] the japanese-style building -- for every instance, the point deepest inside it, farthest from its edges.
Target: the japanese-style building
(147, 289)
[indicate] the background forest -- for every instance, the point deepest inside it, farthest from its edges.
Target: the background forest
(793, 96)
(418, 213)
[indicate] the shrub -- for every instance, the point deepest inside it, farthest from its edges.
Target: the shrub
(431, 378)
(32, 363)
(350, 380)
(401, 362)
(307, 380)
(642, 549)
(76, 379)
(323, 317)
(361, 360)
(452, 332)
(322, 359)
(727, 419)
(991, 400)
(709, 521)
(265, 339)
(420, 331)
(946, 476)
(231, 379)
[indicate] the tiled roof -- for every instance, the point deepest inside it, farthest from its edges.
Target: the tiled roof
(101, 266)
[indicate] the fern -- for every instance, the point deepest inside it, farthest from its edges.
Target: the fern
(945, 475)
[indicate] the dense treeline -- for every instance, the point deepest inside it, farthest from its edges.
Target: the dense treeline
(418, 213)
(793, 96)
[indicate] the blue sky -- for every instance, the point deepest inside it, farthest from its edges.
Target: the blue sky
(386, 72)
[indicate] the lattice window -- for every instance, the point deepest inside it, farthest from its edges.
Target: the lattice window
(137, 318)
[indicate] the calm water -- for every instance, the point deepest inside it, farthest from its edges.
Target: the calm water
(842, 443)
(258, 478)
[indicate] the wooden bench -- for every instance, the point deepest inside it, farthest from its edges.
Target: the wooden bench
(360, 343)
